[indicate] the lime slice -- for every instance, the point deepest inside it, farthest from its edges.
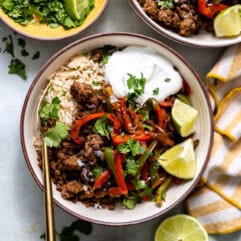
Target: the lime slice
(181, 227)
(179, 160)
(228, 22)
(75, 8)
(184, 117)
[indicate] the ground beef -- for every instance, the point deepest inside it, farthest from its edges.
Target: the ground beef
(71, 163)
(183, 18)
(169, 18)
(96, 55)
(150, 7)
(86, 97)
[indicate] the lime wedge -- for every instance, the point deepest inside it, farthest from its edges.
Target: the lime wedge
(228, 22)
(181, 227)
(183, 117)
(75, 8)
(179, 160)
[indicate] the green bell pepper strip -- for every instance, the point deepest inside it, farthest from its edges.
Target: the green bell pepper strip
(160, 194)
(109, 156)
(141, 161)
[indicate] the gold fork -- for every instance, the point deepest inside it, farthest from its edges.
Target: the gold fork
(48, 199)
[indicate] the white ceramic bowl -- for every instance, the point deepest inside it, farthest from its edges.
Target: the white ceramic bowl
(203, 39)
(146, 210)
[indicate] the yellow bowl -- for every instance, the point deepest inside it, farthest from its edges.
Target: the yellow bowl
(44, 32)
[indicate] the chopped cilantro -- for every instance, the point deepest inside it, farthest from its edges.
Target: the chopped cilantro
(24, 53)
(131, 200)
(97, 171)
(9, 47)
(21, 42)
(36, 55)
(155, 91)
(131, 167)
(167, 80)
(101, 127)
(55, 135)
(107, 50)
(17, 67)
(136, 86)
(52, 12)
(131, 146)
(48, 110)
(69, 233)
(165, 3)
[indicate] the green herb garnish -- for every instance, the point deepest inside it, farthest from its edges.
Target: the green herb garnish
(70, 233)
(165, 3)
(131, 200)
(131, 167)
(167, 80)
(50, 110)
(107, 51)
(52, 12)
(55, 135)
(17, 67)
(97, 171)
(131, 146)
(101, 127)
(155, 91)
(36, 55)
(136, 86)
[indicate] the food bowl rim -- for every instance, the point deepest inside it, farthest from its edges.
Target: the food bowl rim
(179, 39)
(57, 38)
(80, 41)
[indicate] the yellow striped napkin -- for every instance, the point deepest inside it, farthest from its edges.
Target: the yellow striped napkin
(217, 204)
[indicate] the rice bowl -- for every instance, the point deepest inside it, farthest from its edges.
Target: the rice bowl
(120, 216)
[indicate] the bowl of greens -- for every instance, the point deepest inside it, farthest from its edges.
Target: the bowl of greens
(51, 20)
(125, 142)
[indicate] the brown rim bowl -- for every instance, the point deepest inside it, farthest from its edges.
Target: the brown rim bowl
(146, 210)
(202, 39)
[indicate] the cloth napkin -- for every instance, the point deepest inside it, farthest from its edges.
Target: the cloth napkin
(217, 203)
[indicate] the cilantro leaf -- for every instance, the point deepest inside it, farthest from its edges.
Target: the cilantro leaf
(131, 146)
(155, 91)
(131, 200)
(101, 127)
(17, 67)
(48, 111)
(97, 171)
(68, 233)
(136, 86)
(131, 167)
(165, 3)
(55, 135)
(36, 55)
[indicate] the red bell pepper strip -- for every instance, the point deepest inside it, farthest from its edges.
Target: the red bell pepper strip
(115, 192)
(81, 122)
(160, 112)
(210, 10)
(167, 103)
(103, 177)
(125, 116)
(120, 173)
(119, 139)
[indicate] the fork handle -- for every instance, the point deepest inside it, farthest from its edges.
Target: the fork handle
(49, 212)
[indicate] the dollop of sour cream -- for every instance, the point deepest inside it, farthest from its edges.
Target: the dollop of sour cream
(162, 80)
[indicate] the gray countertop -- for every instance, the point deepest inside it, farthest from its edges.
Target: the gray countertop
(21, 209)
